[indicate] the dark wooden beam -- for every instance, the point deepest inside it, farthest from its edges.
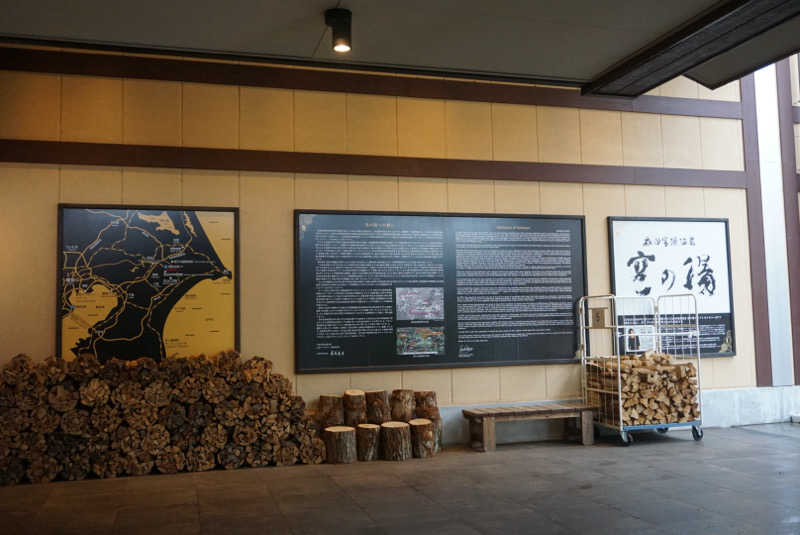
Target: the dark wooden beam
(714, 32)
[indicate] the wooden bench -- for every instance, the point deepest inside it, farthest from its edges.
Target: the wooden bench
(482, 420)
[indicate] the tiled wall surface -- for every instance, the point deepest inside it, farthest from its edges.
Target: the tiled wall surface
(29, 195)
(115, 110)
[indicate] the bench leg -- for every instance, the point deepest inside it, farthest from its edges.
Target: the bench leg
(587, 428)
(489, 443)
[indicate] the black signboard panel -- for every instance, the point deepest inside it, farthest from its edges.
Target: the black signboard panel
(378, 290)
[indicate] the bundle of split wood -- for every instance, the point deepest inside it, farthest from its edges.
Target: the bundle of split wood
(655, 389)
(361, 425)
(70, 420)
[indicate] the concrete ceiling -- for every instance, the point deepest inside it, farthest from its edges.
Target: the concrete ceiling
(562, 41)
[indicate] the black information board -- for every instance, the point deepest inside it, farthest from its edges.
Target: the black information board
(378, 290)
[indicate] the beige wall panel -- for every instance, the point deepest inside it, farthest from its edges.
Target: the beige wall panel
(468, 133)
(372, 125)
(645, 201)
(441, 381)
(210, 116)
(322, 192)
(681, 139)
(423, 194)
(152, 112)
(680, 87)
(30, 105)
(561, 198)
(377, 380)
(420, 127)
(266, 119)
(141, 185)
(91, 109)
(514, 135)
(721, 140)
(28, 222)
(516, 197)
(311, 386)
(684, 202)
(563, 381)
(320, 122)
(728, 92)
(88, 185)
(266, 235)
(601, 137)
(739, 370)
(476, 385)
(600, 201)
(641, 140)
(558, 132)
(372, 192)
(523, 383)
(210, 188)
(470, 196)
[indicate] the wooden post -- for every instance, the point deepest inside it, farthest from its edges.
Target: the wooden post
(340, 444)
(423, 441)
(402, 405)
(330, 410)
(587, 428)
(378, 408)
(395, 441)
(368, 441)
(355, 407)
(487, 432)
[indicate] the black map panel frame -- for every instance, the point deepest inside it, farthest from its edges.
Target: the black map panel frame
(149, 208)
(416, 315)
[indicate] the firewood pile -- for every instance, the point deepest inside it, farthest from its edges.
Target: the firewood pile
(378, 424)
(655, 389)
(72, 420)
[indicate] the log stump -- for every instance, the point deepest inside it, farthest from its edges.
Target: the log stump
(423, 441)
(402, 405)
(340, 444)
(330, 410)
(378, 408)
(438, 431)
(368, 441)
(395, 441)
(355, 408)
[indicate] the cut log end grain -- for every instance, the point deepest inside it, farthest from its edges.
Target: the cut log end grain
(340, 444)
(423, 438)
(395, 441)
(368, 442)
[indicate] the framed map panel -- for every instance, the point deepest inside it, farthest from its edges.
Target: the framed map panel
(147, 281)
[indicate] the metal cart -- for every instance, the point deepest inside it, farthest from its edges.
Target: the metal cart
(657, 340)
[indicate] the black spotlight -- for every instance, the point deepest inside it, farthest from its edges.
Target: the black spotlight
(339, 21)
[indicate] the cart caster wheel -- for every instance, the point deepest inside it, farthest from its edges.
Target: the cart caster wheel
(697, 433)
(662, 430)
(627, 439)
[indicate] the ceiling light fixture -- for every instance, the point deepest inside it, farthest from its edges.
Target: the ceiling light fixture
(339, 21)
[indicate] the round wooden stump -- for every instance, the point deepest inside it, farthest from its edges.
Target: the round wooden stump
(340, 444)
(395, 441)
(423, 438)
(355, 407)
(330, 410)
(402, 405)
(368, 441)
(378, 408)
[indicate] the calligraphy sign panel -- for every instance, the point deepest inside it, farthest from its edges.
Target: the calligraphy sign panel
(670, 256)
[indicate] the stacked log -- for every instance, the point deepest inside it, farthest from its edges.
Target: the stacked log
(340, 444)
(330, 410)
(355, 407)
(655, 389)
(378, 408)
(69, 420)
(368, 441)
(402, 404)
(395, 441)
(423, 444)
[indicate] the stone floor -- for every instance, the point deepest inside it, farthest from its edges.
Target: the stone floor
(741, 480)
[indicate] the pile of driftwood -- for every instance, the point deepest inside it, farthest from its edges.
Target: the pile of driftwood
(378, 425)
(70, 420)
(655, 389)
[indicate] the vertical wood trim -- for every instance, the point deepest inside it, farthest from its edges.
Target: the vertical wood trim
(791, 212)
(755, 223)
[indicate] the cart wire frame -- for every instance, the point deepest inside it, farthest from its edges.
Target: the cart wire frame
(612, 327)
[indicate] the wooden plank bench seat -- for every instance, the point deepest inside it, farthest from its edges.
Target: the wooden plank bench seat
(482, 420)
